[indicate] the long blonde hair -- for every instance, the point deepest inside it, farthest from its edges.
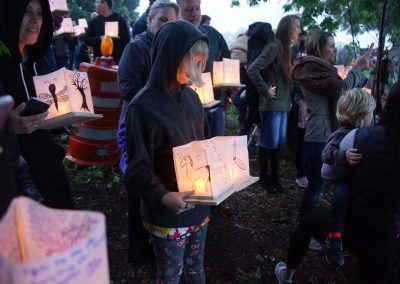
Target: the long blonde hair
(199, 47)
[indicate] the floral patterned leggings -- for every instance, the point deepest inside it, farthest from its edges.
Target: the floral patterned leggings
(185, 254)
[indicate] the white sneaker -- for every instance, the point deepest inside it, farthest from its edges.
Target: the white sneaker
(314, 245)
(302, 182)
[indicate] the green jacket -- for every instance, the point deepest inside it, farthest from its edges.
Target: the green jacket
(265, 72)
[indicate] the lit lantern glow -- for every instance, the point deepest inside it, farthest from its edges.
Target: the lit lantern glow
(111, 29)
(68, 94)
(106, 46)
(59, 6)
(226, 73)
(213, 168)
(67, 27)
(83, 23)
(206, 91)
(73, 247)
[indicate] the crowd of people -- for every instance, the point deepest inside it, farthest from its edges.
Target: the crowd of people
(292, 90)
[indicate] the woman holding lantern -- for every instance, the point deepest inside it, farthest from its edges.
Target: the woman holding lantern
(167, 113)
(271, 74)
(26, 30)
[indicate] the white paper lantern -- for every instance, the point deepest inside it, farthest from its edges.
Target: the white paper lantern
(67, 27)
(43, 245)
(79, 30)
(69, 96)
(59, 6)
(206, 91)
(226, 73)
(111, 29)
(83, 23)
(213, 168)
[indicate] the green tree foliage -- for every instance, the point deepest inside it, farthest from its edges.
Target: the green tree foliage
(84, 8)
(353, 16)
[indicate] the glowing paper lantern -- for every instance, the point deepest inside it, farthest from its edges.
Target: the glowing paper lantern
(59, 7)
(214, 168)
(206, 91)
(67, 27)
(83, 23)
(226, 73)
(111, 29)
(69, 96)
(43, 245)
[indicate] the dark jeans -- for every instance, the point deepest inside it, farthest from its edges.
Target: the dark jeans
(175, 255)
(312, 151)
(298, 147)
(339, 205)
(216, 120)
(378, 260)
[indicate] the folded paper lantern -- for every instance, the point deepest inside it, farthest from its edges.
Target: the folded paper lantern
(67, 27)
(213, 168)
(83, 23)
(43, 245)
(226, 73)
(79, 30)
(69, 96)
(206, 92)
(59, 7)
(111, 29)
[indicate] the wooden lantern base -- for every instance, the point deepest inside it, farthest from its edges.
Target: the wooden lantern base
(240, 185)
(68, 119)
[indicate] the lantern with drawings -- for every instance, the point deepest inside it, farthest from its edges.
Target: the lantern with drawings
(214, 168)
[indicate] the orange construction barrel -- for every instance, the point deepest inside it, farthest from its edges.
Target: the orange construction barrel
(95, 143)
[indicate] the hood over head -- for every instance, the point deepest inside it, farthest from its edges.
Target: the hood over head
(11, 15)
(171, 43)
(260, 34)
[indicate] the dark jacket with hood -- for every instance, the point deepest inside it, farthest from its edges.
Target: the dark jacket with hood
(133, 73)
(322, 86)
(163, 115)
(96, 30)
(43, 155)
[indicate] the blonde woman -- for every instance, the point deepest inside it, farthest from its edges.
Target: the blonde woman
(271, 74)
(164, 114)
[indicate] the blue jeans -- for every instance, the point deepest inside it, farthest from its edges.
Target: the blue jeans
(273, 128)
(339, 205)
(312, 152)
(174, 255)
(216, 120)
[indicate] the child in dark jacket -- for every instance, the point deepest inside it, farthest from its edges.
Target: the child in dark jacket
(354, 109)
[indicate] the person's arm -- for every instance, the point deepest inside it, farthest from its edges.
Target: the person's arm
(335, 173)
(140, 179)
(25, 184)
(331, 154)
(266, 57)
(132, 73)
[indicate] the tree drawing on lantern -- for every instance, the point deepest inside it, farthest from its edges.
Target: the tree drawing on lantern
(199, 177)
(80, 82)
(54, 97)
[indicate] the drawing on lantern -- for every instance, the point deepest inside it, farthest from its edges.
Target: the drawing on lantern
(80, 82)
(54, 97)
(236, 161)
(198, 176)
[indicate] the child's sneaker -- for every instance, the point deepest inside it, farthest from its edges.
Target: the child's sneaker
(279, 269)
(302, 182)
(334, 254)
(314, 245)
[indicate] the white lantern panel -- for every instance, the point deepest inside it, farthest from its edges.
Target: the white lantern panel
(79, 30)
(111, 29)
(83, 23)
(66, 91)
(231, 71)
(67, 26)
(58, 5)
(206, 91)
(218, 72)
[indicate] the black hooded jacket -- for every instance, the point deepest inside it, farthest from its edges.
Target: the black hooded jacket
(163, 115)
(43, 155)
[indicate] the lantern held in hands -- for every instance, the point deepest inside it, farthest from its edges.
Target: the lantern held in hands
(111, 29)
(226, 73)
(214, 168)
(205, 92)
(68, 94)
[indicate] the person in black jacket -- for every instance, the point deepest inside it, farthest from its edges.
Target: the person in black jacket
(14, 173)
(140, 25)
(133, 73)
(27, 29)
(167, 113)
(96, 29)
